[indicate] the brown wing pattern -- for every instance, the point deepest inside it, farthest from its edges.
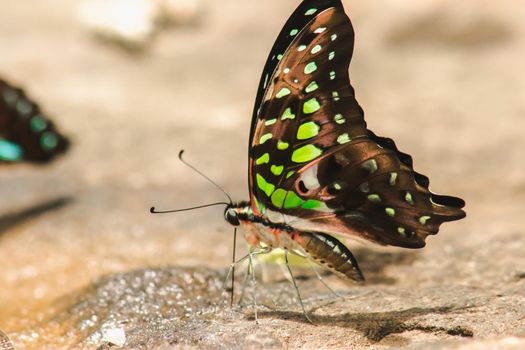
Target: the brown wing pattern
(313, 163)
(371, 193)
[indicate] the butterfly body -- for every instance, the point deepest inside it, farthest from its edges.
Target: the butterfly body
(322, 248)
(315, 170)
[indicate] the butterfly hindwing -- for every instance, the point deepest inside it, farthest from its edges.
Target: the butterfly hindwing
(364, 190)
(26, 134)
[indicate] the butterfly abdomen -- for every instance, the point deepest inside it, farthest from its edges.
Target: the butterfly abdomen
(26, 133)
(329, 252)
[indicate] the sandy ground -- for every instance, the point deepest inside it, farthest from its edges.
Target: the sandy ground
(444, 79)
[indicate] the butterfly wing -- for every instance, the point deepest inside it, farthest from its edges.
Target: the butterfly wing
(298, 117)
(363, 188)
(313, 163)
(25, 133)
(306, 11)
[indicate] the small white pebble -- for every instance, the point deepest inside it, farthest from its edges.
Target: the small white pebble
(127, 20)
(116, 336)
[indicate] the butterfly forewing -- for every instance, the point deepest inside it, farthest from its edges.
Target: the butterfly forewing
(309, 105)
(306, 11)
(313, 163)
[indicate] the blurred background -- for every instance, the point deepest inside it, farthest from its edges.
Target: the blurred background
(131, 86)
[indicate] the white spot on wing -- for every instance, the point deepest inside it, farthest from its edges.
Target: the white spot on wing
(275, 216)
(309, 177)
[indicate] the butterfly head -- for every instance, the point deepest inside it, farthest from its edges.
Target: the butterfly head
(236, 213)
(231, 215)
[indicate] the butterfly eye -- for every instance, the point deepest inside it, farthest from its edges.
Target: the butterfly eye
(231, 216)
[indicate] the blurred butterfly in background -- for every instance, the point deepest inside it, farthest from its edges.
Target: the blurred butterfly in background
(26, 134)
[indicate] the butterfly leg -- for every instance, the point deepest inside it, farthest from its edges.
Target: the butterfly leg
(247, 256)
(321, 279)
(243, 289)
(304, 255)
(295, 286)
(254, 283)
(263, 250)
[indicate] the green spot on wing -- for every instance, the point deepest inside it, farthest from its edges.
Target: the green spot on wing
(265, 158)
(370, 166)
(278, 197)
(307, 130)
(332, 75)
(333, 37)
(279, 57)
(283, 92)
(339, 119)
(301, 48)
(343, 138)
(10, 151)
(270, 121)
(393, 179)
(306, 154)
(331, 55)
(38, 124)
(337, 186)
(289, 174)
(374, 198)
(311, 106)
(310, 68)
(312, 204)
(277, 169)
(48, 141)
(390, 212)
(311, 87)
(287, 114)
(408, 198)
(292, 200)
(423, 220)
(282, 145)
(315, 49)
(265, 138)
(24, 107)
(263, 185)
(294, 32)
(310, 12)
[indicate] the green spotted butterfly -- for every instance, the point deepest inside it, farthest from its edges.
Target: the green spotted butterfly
(25, 133)
(315, 171)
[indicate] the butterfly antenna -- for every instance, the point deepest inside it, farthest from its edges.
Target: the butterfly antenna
(155, 211)
(204, 176)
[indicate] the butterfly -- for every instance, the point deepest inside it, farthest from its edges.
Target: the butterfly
(316, 173)
(26, 134)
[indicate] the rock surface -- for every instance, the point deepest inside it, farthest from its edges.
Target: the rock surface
(84, 264)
